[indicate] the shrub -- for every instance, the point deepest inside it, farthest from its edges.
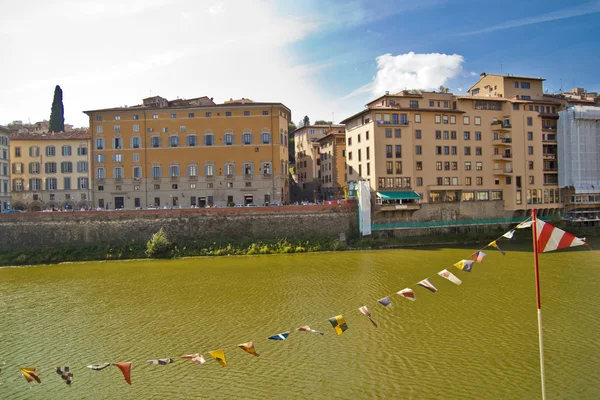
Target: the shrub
(159, 246)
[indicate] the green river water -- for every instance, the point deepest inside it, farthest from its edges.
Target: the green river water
(473, 341)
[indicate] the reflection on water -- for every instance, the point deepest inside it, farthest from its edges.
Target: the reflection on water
(477, 340)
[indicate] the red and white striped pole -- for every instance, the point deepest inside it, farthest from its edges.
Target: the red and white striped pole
(539, 303)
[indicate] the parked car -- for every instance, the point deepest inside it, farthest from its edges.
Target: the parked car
(251, 205)
(7, 211)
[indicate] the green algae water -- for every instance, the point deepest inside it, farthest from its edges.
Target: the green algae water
(473, 341)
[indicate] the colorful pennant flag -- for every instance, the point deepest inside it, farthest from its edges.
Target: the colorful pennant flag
(161, 361)
(465, 265)
(219, 355)
(307, 328)
(408, 294)
(526, 224)
(386, 302)
(30, 374)
(65, 374)
(366, 312)
(450, 276)
(197, 358)
(427, 285)
(249, 348)
(478, 256)
(125, 368)
(509, 234)
(550, 238)
(339, 324)
(98, 367)
(279, 336)
(495, 245)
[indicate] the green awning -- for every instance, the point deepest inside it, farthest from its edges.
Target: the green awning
(410, 195)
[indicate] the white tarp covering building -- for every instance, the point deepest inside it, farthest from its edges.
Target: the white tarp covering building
(579, 149)
(364, 208)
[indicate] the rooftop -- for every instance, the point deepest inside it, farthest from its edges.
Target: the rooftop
(72, 135)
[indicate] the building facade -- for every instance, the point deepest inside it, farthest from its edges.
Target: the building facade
(190, 153)
(498, 143)
(579, 161)
(308, 159)
(5, 198)
(332, 156)
(51, 171)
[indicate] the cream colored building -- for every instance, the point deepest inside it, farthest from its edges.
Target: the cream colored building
(5, 198)
(498, 143)
(308, 160)
(51, 171)
(332, 156)
(190, 153)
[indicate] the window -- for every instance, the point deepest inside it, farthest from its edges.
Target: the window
(389, 167)
(446, 165)
(100, 158)
(529, 121)
(99, 118)
(418, 150)
(117, 143)
(51, 184)
(117, 157)
(446, 150)
(388, 132)
(247, 138)
(525, 85)
(446, 135)
(209, 170)
(190, 115)
(174, 170)
(82, 183)
(66, 150)
(82, 151)
(530, 150)
(466, 120)
(67, 183)
(418, 118)
(228, 139)
(477, 135)
(438, 135)
(359, 155)
(479, 180)
(453, 148)
(100, 144)
(453, 135)
(478, 151)
(414, 104)
(438, 119)
(453, 119)
(192, 170)
(479, 166)
(82, 166)
(34, 168)
(50, 167)
(530, 165)
(398, 167)
(398, 151)
(246, 113)
(483, 196)
(155, 141)
(467, 150)
(191, 141)
(173, 141)
(34, 151)
(50, 151)
(136, 142)
(454, 165)
(368, 153)
(419, 165)
(156, 171)
(477, 120)
(118, 173)
(397, 133)
(35, 184)
(154, 116)
(467, 135)
(100, 173)
(525, 97)
(529, 135)
(136, 157)
(438, 165)
(531, 179)
(515, 106)
(418, 134)
(388, 151)
(229, 169)
(228, 113)
(438, 150)
(349, 141)
(136, 117)
(165, 130)
(445, 120)
(467, 165)
(265, 138)
(17, 168)
(117, 129)
(99, 129)
(367, 135)
(349, 155)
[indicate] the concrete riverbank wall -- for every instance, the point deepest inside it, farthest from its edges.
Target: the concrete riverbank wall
(30, 230)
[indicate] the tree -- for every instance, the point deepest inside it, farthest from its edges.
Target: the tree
(323, 122)
(57, 115)
(291, 147)
(305, 121)
(444, 89)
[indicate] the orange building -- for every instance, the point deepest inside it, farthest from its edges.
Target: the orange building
(332, 157)
(185, 153)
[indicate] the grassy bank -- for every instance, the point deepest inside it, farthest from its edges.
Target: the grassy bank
(248, 246)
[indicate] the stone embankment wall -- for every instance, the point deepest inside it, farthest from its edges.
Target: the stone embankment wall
(30, 230)
(445, 212)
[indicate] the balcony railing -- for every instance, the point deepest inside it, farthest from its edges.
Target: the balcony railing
(193, 178)
(229, 176)
(174, 179)
(399, 123)
(397, 207)
(248, 176)
(550, 156)
(503, 171)
(266, 175)
(502, 141)
(549, 137)
(502, 156)
(549, 128)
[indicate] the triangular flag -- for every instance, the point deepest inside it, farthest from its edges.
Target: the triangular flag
(427, 285)
(161, 361)
(197, 358)
(408, 294)
(495, 245)
(65, 374)
(366, 312)
(465, 265)
(339, 324)
(219, 355)
(307, 328)
(550, 238)
(125, 368)
(279, 336)
(523, 225)
(509, 234)
(478, 256)
(386, 302)
(249, 348)
(450, 276)
(30, 374)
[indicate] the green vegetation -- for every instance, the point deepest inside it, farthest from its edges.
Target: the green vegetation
(159, 246)
(57, 114)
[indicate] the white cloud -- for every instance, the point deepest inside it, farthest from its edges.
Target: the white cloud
(411, 71)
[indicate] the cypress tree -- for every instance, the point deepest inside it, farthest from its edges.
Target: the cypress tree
(57, 115)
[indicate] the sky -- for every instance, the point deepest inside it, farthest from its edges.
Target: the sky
(321, 58)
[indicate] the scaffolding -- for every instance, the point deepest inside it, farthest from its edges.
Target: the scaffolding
(579, 149)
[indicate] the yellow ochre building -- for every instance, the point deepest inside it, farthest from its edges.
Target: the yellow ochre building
(186, 153)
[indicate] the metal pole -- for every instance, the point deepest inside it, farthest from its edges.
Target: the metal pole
(539, 304)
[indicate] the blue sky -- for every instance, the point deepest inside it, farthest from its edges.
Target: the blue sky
(317, 57)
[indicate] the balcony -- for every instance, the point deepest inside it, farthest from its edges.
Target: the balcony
(502, 157)
(549, 137)
(174, 179)
(399, 123)
(156, 179)
(503, 171)
(505, 142)
(118, 180)
(499, 126)
(100, 181)
(266, 175)
(248, 177)
(552, 115)
(550, 156)
(229, 176)
(210, 177)
(549, 128)
(193, 178)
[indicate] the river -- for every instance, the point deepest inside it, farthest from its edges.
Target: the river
(473, 341)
